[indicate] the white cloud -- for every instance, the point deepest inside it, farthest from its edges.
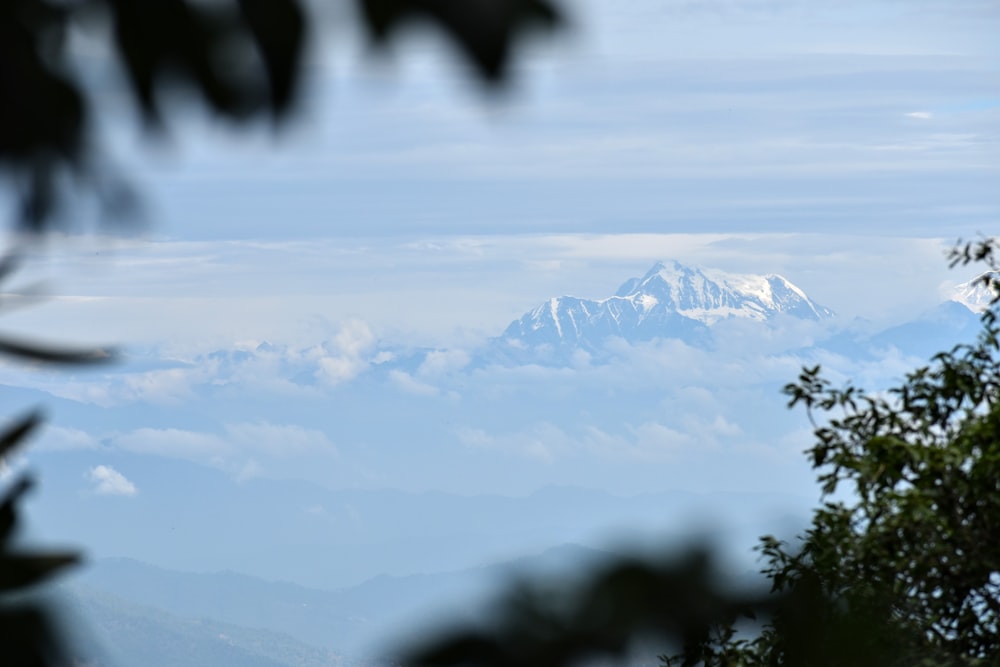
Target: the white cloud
(278, 440)
(345, 356)
(109, 482)
(543, 442)
(61, 438)
(250, 470)
(650, 441)
(921, 115)
(547, 443)
(406, 382)
(243, 449)
(169, 386)
(176, 443)
(442, 362)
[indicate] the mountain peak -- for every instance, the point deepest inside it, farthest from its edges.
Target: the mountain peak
(710, 295)
(976, 294)
(671, 300)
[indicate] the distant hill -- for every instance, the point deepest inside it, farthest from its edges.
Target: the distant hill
(140, 607)
(316, 536)
(948, 324)
(117, 632)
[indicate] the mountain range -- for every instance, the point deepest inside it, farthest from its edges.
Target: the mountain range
(659, 422)
(688, 303)
(671, 300)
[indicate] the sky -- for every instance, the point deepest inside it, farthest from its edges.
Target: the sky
(843, 145)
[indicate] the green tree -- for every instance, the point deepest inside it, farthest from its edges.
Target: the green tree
(901, 565)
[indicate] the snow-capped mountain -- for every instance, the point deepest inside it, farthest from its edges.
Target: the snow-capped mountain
(670, 301)
(975, 294)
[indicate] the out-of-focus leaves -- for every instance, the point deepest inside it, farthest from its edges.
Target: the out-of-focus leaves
(28, 631)
(541, 625)
(174, 42)
(55, 355)
(14, 434)
(279, 30)
(29, 638)
(9, 263)
(42, 110)
(8, 507)
(242, 58)
(484, 30)
(19, 571)
(43, 115)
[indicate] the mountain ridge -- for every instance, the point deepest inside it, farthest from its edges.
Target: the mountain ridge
(671, 300)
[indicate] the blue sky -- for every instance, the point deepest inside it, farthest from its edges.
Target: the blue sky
(834, 144)
(843, 145)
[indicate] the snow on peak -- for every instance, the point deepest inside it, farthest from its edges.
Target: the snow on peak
(671, 300)
(975, 294)
(710, 295)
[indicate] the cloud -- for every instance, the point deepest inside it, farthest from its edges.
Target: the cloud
(243, 449)
(344, 358)
(406, 382)
(244, 367)
(648, 442)
(543, 443)
(109, 482)
(547, 443)
(278, 440)
(58, 438)
(203, 448)
(169, 386)
(443, 362)
(250, 470)
(921, 115)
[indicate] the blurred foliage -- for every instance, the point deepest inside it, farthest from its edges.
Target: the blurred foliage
(243, 59)
(903, 568)
(552, 625)
(900, 565)
(29, 633)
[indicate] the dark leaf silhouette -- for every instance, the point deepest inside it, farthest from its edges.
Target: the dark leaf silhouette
(484, 30)
(678, 601)
(18, 431)
(55, 355)
(23, 570)
(8, 508)
(243, 59)
(278, 28)
(31, 638)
